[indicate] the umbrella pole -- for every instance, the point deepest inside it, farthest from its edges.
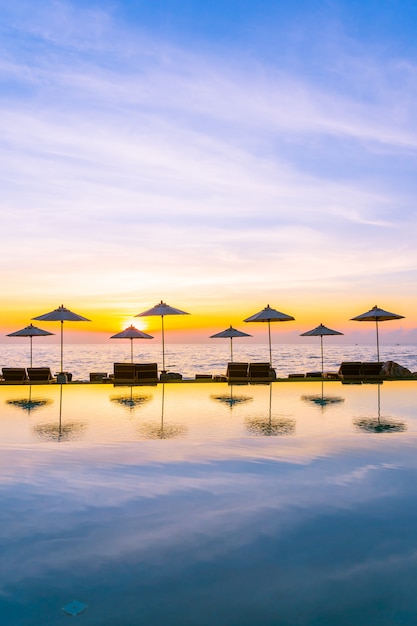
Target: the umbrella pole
(163, 346)
(322, 360)
(377, 341)
(31, 351)
(62, 346)
(131, 349)
(231, 349)
(270, 350)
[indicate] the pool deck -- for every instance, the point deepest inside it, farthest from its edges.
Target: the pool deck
(216, 379)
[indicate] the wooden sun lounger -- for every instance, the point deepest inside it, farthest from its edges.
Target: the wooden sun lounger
(260, 373)
(351, 372)
(135, 373)
(146, 373)
(237, 372)
(98, 377)
(372, 371)
(14, 374)
(124, 373)
(40, 374)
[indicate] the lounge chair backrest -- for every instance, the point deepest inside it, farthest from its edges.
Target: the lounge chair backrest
(372, 369)
(260, 371)
(96, 377)
(237, 371)
(350, 369)
(125, 372)
(14, 374)
(146, 372)
(40, 374)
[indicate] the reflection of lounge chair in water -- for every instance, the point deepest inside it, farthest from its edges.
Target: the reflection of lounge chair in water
(14, 374)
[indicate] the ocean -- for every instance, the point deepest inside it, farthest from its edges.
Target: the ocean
(192, 359)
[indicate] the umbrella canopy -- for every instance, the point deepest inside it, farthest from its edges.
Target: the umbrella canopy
(162, 309)
(230, 333)
(320, 331)
(377, 315)
(269, 315)
(30, 331)
(61, 314)
(131, 333)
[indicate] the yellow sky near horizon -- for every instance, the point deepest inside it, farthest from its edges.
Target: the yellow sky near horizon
(205, 320)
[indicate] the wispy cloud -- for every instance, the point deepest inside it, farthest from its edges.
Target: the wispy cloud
(123, 156)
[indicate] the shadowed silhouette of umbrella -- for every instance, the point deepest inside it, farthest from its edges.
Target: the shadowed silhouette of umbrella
(30, 331)
(131, 333)
(131, 402)
(59, 431)
(162, 309)
(270, 426)
(377, 315)
(61, 314)
(269, 315)
(319, 331)
(379, 424)
(29, 404)
(230, 333)
(162, 431)
(231, 400)
(321, 400)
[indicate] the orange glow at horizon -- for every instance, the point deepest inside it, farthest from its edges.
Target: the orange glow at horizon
(206, 319)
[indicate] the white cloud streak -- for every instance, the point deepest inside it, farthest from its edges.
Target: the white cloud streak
(136, 160)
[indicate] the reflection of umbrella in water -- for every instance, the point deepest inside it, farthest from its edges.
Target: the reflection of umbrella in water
(321, 400)
(161, 310)
(269, 315)
(319, 331)
(61, 314)
(30, 331)
(29, 404)
(230, 399)
(131, 402)
(271, 426)
(378, 424)
(131, 333)
(59, 431)
(162, 430)
(230, 333)
(377, 315)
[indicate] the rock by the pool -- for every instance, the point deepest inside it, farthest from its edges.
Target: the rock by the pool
(391, 369)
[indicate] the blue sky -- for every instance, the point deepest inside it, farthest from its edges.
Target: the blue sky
(217, 155)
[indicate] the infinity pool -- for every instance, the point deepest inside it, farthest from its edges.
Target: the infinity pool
(205, 504)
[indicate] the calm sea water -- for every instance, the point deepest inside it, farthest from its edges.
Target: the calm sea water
(192, 359)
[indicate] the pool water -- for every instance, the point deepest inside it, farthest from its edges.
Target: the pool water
(202, 504)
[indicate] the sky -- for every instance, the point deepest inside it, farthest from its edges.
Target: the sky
(219, 156)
